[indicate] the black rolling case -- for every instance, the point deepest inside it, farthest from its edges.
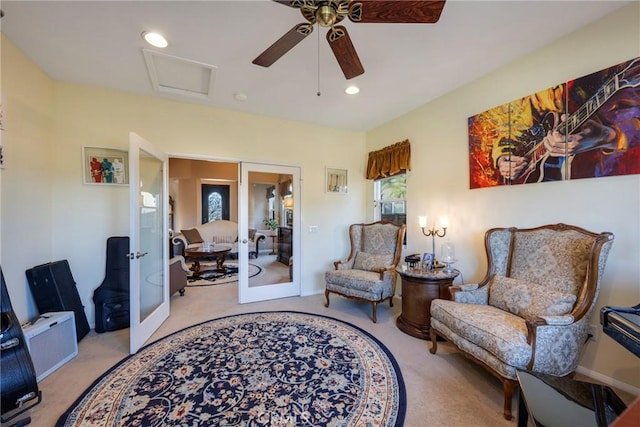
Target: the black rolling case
(18, 386)
(112, 310)
(111, 298)
(54, 289)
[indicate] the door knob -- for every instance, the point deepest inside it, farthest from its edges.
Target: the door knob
(244, 240)
(140, 255)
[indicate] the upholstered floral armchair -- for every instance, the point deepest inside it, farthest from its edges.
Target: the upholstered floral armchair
(369, 273)
(532, 309)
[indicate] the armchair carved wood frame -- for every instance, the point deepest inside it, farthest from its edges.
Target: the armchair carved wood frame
(532, 309)
(369, 273)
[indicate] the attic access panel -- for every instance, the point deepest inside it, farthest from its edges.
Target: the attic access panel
(179, 76)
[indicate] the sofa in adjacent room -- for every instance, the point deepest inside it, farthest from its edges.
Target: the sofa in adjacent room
(218, 231)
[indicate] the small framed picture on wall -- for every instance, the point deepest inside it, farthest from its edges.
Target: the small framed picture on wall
(336, 181)
(105, 166)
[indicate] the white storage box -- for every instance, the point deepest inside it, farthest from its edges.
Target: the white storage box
(51, 341)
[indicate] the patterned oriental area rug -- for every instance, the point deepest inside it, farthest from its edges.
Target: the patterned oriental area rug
(211, 278)
(276, 368)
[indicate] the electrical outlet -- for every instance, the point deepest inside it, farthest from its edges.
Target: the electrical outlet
(593, 332)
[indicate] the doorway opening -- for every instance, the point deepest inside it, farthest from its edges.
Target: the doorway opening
(203, 191)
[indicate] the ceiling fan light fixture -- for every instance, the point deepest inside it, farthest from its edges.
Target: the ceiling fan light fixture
(155, 39)
(352, 90)
(326, 16)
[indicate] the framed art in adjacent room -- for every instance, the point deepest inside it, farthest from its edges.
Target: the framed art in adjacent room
(336, 180)
(105, 166)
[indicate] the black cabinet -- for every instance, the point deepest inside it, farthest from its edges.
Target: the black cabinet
(285, 244)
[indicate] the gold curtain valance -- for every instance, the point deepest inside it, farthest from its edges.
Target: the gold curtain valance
(389, 161)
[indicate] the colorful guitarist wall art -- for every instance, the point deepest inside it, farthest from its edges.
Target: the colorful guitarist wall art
(586, 128)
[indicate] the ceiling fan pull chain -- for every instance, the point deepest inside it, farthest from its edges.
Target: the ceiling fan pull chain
(318, 59)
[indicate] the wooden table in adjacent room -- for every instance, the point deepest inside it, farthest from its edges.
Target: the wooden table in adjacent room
(217, 252)
(419, 288)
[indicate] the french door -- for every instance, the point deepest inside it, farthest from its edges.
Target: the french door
(286, 181)
(148, 237)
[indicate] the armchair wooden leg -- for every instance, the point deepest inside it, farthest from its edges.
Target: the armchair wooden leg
(375, 309)
(326, 295)
(391, 301)
(508, 386)
(434, 341)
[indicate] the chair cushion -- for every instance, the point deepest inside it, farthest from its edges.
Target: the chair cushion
(359, 283)
(528, 299)
(372, 262)
(499, 332)
(192, 236)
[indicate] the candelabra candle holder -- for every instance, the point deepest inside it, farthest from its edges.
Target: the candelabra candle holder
(433, 232)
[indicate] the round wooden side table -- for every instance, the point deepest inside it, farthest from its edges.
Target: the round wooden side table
(419, 288)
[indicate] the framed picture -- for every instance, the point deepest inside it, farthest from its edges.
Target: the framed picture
(427, 261)
(336, 181)
(105, 166)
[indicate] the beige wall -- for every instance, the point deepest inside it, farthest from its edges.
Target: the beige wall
(48, 214)
(187, 177)
(439, 181)
(25, 197)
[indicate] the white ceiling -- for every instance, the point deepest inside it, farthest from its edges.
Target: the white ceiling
(98, 43)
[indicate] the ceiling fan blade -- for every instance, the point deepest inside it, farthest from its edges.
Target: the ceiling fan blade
(283, 45)
(291, 3)
(344, 52)
(396, 11)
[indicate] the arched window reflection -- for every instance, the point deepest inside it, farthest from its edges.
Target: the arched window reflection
(214, 208)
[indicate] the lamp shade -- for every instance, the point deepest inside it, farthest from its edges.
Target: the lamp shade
(288, 202)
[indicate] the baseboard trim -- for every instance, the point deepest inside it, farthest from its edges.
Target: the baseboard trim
(609, 381)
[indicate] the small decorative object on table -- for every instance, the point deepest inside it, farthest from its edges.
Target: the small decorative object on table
(412, 260)
(427, 261)
(448, 256)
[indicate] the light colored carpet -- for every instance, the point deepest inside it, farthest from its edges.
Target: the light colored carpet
(442, 390)
(212, 277)
(273, 271)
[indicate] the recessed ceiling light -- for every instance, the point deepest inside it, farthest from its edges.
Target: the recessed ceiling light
(155, 39)
(239, 96)
(352, 90)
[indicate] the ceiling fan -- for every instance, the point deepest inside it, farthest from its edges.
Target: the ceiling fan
(328, 13)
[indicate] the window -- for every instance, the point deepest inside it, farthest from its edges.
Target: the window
(390, 199)
(215, 202)
(214, 207)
